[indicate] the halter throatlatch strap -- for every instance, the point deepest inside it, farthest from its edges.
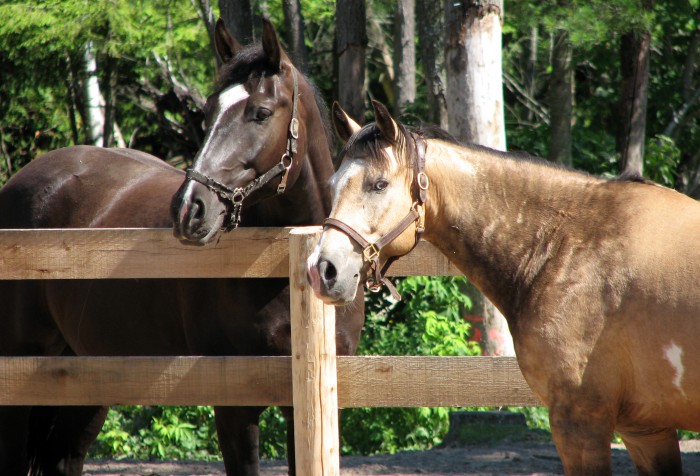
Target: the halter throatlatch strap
(234, 197)
(370, 251)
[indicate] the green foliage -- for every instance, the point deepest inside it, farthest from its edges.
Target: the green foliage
(661, 158)
(427, 321)
(158, 432)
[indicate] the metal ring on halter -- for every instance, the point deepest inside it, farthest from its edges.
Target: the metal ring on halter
(422, 181)
(238, 196)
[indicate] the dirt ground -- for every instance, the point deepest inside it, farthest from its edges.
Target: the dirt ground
(501, 459)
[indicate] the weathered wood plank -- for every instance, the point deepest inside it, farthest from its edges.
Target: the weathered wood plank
(411, 381)
(140, 253)
(314, 372)
(381, 381)
(155, 253)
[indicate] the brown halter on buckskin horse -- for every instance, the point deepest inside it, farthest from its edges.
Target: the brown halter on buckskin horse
(599, 279)
(265, 162)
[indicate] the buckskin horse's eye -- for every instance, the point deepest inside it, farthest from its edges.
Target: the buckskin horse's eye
(380, 185)
(262, 114)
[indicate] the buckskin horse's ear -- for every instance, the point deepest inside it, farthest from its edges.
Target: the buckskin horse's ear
(344, 125)
(271, 44)
(226, 45)
(385, 122)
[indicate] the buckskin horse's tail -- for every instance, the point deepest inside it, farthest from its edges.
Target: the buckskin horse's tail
(59, 438)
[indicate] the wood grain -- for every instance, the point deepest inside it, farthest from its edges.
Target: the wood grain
(155, 253)
(376, 381)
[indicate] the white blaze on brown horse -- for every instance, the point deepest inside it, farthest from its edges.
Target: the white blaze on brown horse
(599, 279)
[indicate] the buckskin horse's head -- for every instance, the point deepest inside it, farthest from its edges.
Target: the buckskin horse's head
(251, 141)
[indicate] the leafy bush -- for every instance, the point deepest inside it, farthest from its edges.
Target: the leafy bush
(427, 321)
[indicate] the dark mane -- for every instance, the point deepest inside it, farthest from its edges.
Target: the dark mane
(251, 62)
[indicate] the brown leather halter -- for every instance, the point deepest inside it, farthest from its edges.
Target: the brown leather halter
(370, 251)
(233, 198)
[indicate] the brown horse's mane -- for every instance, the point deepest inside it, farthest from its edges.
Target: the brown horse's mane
(252, 61)
(370, 144)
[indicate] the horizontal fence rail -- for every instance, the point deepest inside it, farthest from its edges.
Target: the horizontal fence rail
(363, 381)
(154, 253)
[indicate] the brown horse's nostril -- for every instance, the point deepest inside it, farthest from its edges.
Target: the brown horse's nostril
(328, 273)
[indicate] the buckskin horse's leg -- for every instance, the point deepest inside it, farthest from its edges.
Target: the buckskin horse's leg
(654, 452)
(237, 428)
(582, 439)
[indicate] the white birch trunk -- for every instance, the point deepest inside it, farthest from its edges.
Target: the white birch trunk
(94, 103)
(94, 115)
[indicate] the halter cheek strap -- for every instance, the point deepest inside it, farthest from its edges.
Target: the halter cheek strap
(234, 197)
(370, 251)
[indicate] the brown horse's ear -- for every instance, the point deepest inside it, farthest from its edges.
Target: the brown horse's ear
(271, 44)
(226, 45)
(344, 125)
(386, 124)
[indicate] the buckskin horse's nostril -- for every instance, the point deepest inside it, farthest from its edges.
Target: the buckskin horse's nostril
(328, 272)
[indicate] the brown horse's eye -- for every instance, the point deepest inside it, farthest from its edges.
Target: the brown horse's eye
(380, 185)
(262, 114)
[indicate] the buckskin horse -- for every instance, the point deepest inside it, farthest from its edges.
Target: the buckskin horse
(263, 113)
(598, 279)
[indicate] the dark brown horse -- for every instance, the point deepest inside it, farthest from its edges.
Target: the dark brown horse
(599, 280)
(248, 134)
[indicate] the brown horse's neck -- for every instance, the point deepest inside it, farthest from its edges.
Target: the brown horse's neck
(307, 201)
(499, 218)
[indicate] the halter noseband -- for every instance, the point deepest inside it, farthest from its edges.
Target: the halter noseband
(370, 251)
(233, 197)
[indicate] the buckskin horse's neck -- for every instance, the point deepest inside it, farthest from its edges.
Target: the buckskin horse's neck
(498, 218)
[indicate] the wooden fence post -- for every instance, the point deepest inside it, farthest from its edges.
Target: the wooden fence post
(314, 373)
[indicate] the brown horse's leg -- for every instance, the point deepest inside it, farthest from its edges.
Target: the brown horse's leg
(288, 413)
(583, 441)
(238, 432)
(654, 453)
(14, 423)
(63, 438)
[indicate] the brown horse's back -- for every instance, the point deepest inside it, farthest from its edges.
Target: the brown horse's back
(86, 186)
(80, 187)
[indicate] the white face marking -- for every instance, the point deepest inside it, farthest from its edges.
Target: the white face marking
(340, 179)
(228, 98)
(674, 354)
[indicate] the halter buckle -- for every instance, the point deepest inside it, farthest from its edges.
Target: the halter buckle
(370, 253)
(287, 163)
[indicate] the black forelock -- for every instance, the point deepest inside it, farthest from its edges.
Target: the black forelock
(249, 62)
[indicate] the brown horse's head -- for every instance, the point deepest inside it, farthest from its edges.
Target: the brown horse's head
(253, 137)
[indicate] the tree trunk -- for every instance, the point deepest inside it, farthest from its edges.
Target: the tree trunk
(350, 44)
(238, 18)
(93, 114)
(431, 42)
(560, 100)
(475, 105)
(294, 24)
(474, 72)
(404, 55)
(634, 67)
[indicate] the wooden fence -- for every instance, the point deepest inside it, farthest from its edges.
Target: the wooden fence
(313, 379)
